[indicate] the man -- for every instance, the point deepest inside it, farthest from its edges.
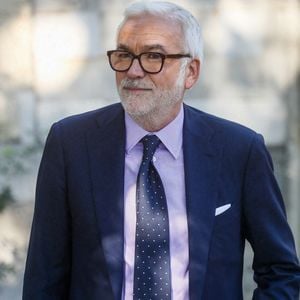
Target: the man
(153, 199)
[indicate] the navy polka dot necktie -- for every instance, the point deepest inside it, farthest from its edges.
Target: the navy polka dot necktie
(152, 254)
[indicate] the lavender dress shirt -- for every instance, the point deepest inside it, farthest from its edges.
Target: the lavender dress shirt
(168, 160)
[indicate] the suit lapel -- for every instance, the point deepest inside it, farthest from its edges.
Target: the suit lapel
(106, 146)
(201, 160)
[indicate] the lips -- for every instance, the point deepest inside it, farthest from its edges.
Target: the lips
(133, 89)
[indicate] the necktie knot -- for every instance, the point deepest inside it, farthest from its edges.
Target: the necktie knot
(150, 143)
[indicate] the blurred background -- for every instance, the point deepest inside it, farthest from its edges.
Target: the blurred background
(53, 64)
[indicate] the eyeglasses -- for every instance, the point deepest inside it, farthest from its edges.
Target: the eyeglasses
(150, 62)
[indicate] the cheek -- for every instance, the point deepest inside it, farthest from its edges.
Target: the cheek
(161, 81)
(167, 79)
(119, 77)
(167, 83)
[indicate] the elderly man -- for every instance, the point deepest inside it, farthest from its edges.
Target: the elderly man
(153, 199)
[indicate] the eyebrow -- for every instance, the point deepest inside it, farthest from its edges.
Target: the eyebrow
(123, 47)
(154, 47)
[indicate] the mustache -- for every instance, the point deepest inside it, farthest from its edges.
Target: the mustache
(135, 83)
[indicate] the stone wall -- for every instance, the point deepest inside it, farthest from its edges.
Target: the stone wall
(53, 63)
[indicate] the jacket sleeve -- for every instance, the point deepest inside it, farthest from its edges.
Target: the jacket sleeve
(47, 269)
(275, 265)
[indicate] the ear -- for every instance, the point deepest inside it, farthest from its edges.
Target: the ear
(192, 75)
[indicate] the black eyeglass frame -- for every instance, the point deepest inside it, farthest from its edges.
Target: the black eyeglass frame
(138, 57)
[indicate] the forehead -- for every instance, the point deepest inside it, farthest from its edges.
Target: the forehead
(146, 31)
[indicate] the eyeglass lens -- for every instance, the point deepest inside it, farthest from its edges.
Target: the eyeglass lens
(150, 61)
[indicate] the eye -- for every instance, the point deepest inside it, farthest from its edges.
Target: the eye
(153, 56)
(123, 55)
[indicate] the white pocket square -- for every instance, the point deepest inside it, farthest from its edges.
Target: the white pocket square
(222, 209)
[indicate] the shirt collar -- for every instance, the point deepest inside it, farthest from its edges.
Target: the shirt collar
(170, 135)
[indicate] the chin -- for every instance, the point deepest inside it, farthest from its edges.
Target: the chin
(136, 108)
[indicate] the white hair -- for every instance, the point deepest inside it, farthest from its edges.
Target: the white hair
(170, 11)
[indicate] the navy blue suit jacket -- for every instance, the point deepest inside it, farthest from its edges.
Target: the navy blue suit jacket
(76, 244)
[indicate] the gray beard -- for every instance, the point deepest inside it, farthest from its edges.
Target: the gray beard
(151, 104)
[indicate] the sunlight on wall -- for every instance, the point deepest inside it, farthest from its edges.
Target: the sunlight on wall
(15, 62)
(251, 29)
(61, 45)
(244, 24)
(252, 113)
(2, 107)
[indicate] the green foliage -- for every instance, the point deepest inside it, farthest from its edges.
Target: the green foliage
(15, 159)
(6, 198)
(6, 269)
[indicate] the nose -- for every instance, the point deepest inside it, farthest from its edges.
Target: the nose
(135, 71)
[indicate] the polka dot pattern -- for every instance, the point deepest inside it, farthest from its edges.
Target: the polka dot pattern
(152, 254)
